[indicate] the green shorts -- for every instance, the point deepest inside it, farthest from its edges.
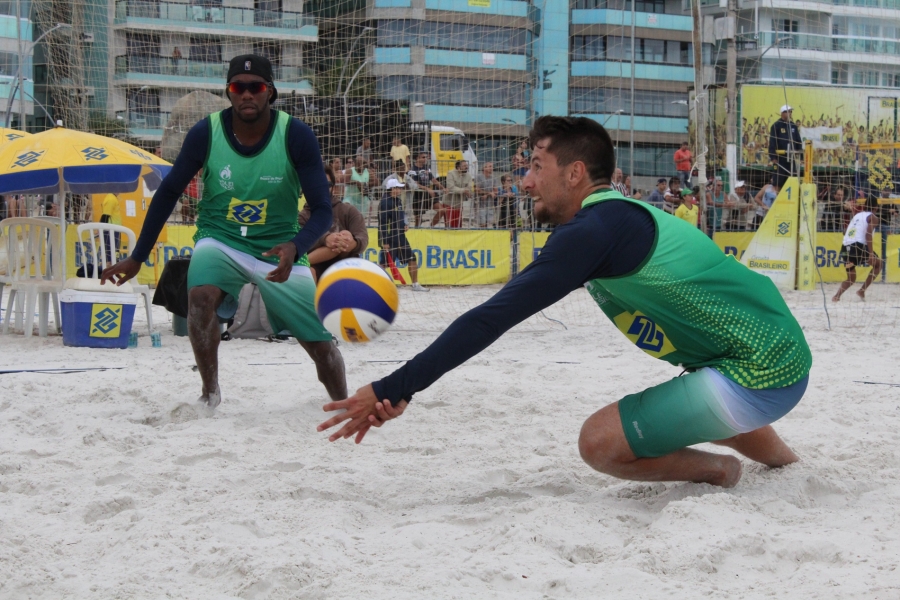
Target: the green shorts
(289, 305)
(702, 406)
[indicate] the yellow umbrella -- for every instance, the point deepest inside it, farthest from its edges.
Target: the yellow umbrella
(9, 135)
(62, 160)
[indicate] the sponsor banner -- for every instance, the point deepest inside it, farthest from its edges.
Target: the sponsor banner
(835, 118)
(463, 257)
(892, 259)
(773, 250)
(455, 257)
(530, 244)
(827, 255)
(823, 138)
(806, 238)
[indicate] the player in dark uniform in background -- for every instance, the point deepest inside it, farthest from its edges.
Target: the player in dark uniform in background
(784, 140)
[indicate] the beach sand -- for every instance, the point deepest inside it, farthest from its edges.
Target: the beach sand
(117, 484)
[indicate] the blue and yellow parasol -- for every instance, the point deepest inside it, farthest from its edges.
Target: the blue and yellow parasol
(62, 160)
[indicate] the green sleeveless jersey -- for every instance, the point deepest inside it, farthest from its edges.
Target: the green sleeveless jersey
(691, 305)
(249, 202)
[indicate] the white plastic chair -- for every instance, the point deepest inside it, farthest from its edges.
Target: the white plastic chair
(34, 257)
(103, 246)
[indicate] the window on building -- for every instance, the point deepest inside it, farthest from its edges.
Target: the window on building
(609, 101)
(451, 36)
(269, 49)
(204, 49)
(867, 78)
(618, 48)
(459, 92)
(840, 75)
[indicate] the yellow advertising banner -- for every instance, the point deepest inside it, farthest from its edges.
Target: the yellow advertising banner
(530, 244)
(827, 255)
(892, 259)
(773, 250)
(460, 257)
(836, 118)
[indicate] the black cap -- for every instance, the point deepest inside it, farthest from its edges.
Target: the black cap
(662, 180)
(252, 64)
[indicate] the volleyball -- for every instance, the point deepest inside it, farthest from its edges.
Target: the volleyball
(356, 301)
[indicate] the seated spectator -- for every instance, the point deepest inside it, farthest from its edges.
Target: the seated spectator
(831, 213)
(521, 160)
(689, 211)
(737, 205)
(657, 197)
(672, 195)
(347, 237)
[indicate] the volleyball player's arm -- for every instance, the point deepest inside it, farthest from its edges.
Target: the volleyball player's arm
(190, 160)
(589, 248)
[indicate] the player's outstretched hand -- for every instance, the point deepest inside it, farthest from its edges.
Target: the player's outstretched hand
(120, 272)
(362, 411)
(287, 255)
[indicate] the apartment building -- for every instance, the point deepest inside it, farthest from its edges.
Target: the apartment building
(12, 101)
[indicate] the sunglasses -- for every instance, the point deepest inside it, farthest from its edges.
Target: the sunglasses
(239, 87)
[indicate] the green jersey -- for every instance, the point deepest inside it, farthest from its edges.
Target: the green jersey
(249, 202)
(691, 305)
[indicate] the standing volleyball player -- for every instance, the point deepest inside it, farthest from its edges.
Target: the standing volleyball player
(254, 160)
(669, 289)
(858, 249)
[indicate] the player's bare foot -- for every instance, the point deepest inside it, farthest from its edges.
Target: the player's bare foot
(727, 474)
(862, 295)
(836, 298)
(211, 400)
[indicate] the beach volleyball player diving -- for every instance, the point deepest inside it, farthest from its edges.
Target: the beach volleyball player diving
(742, 357)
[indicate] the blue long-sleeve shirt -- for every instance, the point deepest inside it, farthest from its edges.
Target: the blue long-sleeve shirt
(608, 239)
(306, 157)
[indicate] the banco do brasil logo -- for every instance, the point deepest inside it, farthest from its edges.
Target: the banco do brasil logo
(106, 320)
(247, 212)
(91, 153)
(27, 158)
(644, 333)
(784, 228)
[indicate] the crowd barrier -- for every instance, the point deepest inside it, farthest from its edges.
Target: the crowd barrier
(484, 256)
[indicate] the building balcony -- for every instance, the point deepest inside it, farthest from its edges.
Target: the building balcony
(654, 71)
(770, 41)
(219, 20)
(144, 125)
(161, 71)
(622, 18)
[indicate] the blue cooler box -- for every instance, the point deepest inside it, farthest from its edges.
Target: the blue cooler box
(97, 320)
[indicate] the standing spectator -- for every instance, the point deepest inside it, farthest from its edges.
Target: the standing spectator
(347, 237)
(361, 180)
(364, 150)
(657, 197)
(617, 183)
(632, 193)
(672, 196)
(833, 207)
(486, 187)
(508, 203)
(683, 161)
(689, 211)
(459, 189)
(392, 228)
(425, 196)
(716, 208)
(521, 160)
(400, 151)
(15, 206)
(737, 205)
(176, 58)
(784, 140)
(764, 200)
